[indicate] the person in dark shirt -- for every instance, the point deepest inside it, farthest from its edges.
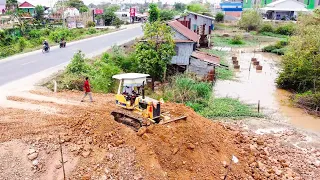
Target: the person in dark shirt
(87, 90)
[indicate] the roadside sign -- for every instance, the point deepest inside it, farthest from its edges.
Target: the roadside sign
(132, 12)
(231, 6)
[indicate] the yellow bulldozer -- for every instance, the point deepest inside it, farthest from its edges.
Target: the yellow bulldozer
(137, 110)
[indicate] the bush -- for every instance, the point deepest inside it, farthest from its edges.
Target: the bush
(309, 99)
(78, 65)
(101, 74)
(237, 39)
(286, 29)
(91, 30)
(71, 82)
(266, 27)
(34, 34)
(166, 15)
(219, 17)
(90, 24)
(22, 43)
(250, 20)
(185, 88)
(117, 22)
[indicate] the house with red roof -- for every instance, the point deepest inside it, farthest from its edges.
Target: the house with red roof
(28, 8)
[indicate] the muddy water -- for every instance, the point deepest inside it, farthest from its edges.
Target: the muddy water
(252, 86)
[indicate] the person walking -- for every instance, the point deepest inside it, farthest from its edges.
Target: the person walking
(87, 90)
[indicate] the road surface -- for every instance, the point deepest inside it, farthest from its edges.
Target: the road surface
(32, 63)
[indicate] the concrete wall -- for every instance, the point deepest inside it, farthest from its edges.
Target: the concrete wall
(198, 67)
(184, 52)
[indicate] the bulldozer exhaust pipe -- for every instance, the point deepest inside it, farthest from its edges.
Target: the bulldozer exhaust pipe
(143, 90)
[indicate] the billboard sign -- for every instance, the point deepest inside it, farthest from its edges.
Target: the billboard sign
(231, 6)
(132, 12)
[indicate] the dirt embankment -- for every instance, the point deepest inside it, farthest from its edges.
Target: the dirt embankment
(97, 147)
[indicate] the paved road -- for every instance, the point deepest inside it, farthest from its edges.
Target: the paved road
(36, 62)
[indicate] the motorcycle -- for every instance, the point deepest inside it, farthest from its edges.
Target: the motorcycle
(45, 49)
(63, 44)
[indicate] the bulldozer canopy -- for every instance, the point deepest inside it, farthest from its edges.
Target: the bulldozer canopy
(132, 79)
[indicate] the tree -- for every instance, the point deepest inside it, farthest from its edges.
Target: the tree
(250, 20)
(75, 3)
(219, 17)
(91, 5)
(166, 15)
(155, 52)
(179, 7)
(83, 9)
(39, 12)
(301, 62)
(11, 4)
(154, 13)
(199, 8)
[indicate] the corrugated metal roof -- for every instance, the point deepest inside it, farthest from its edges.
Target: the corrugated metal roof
(184, 30)
(208, 17)
(206, 57)
(182, 41)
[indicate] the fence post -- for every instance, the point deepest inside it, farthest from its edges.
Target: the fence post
(259, 106)
(55, 86)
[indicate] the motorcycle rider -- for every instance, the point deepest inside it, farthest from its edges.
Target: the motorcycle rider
(62, 42)
(46, 45)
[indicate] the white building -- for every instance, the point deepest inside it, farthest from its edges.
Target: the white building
(283, 9)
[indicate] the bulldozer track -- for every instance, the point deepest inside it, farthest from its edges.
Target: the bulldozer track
(129, 118)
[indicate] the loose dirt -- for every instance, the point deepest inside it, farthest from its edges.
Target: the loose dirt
(97, 147)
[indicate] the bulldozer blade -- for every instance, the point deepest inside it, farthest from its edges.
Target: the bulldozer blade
(172, 120)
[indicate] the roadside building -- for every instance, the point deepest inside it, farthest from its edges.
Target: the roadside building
(200, 24)
(283, 10)
(28, 9)
(310, 4)
(187, 58)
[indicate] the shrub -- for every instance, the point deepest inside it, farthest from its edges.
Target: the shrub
(219, 17)
(266, 27)
(34, 34)
(250, 20)
(91, 30)
(71, 82)
(22, 43)
(286, 29)
(90, 24)
(237, 39)
(117, 22)
(78, 64)
(309, 99)
(101, 74)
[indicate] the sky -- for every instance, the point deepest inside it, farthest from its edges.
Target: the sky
(49, 2)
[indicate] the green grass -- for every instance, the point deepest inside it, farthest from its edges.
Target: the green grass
(222, 72)
(227, 42)
(228, 107)
(271, 34)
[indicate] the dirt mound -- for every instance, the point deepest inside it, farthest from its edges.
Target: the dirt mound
(197, 148)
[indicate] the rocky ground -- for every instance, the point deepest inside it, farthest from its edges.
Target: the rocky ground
(97, 147)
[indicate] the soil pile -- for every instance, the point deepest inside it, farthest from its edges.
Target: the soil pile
(197, 148)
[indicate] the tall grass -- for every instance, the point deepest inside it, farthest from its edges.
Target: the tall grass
(192, 92)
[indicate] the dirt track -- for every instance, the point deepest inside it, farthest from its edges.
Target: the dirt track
(97, 147)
